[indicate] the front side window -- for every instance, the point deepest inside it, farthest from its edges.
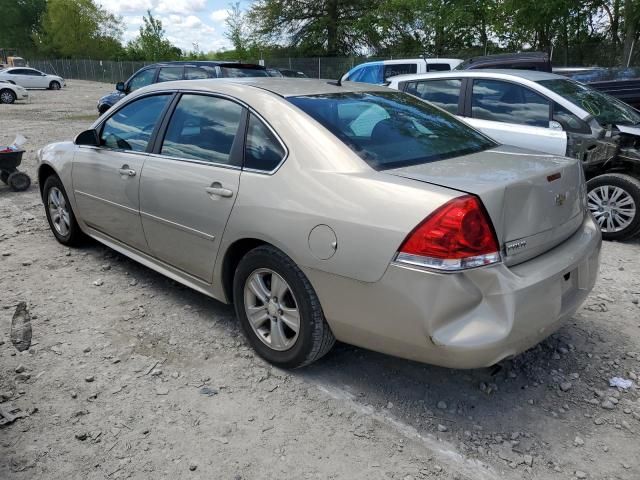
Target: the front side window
(444, 93)
(202, 128)
(33, 73)
(368, 74)
(399, 69)
(509, 103)
(263, 151)
(142, 79)
(168, 74)
(392, 129)
(130, 128)
(606, 109)
(568, 120)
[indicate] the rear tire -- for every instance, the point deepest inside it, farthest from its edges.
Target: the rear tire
(7, 96)
(54, 85)
(69, 234)
(614, 201)
(313, 338)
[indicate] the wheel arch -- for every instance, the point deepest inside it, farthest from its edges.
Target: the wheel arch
(232, 257)
(44, 172)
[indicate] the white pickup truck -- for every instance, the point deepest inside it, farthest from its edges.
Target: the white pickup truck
(378, 72)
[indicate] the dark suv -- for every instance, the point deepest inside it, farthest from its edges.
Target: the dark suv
(166, 72)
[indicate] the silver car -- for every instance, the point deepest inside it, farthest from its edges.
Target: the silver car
(325, 211)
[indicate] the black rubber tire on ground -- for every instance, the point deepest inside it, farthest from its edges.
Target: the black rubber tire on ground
(54, 85)
(315, 338)
(630, 185)
(7, 96)
(75, 237)
(19, 181)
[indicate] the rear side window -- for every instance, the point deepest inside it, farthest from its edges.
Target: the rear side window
(263, 151)
(197, 73)
(444, 93)
(130, 128)
(202, 128)
(392, 129)
(167, 74)
(368, 74)
(142, 79)
(438, 67)
(230, 72)
(509, 103)
(399, 69)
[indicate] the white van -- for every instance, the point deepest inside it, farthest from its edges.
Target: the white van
(378, 72)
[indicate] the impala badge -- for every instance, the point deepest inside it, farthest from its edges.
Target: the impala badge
(515, 246)
(561, 198)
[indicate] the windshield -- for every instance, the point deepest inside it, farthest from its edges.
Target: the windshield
(606, 109)
(392, 129)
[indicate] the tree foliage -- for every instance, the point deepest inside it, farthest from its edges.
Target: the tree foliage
(21, 20)
(79, 29)
(151, 42)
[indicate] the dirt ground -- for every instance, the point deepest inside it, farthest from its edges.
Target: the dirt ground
(132, 376)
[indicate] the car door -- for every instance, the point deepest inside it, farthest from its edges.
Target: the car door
(442, 92)
(513, 114)
(19, 77)
(36, 79)
(190, 182)
(106, 179)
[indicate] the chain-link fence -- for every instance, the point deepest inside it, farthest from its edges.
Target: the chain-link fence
(318, 67)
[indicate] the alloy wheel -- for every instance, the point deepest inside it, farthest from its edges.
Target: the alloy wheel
(612, 207)
(59, 212)
(272, 309)
(6, 97)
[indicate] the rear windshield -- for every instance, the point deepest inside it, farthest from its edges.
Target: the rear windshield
(392, 129)
(606, 109)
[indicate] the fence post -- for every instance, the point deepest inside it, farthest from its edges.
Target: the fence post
(319, 75)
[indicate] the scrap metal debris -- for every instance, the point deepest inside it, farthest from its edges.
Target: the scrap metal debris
(21, 328)
(9, 414)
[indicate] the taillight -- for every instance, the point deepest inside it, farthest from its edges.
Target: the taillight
(458, 235)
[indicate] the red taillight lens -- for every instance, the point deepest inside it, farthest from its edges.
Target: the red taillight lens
(456, 236)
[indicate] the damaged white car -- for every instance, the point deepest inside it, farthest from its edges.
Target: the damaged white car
(551, 114)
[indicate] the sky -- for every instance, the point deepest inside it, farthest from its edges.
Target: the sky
(185, 21)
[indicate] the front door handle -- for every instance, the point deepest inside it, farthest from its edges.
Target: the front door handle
(217, 189)
(125, 170)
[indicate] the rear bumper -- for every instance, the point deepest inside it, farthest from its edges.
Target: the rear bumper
(465, 320)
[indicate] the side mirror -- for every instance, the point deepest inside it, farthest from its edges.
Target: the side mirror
(89, 138)
(556, 125)
(120, 87)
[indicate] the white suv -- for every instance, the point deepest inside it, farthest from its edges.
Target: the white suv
(379, 72)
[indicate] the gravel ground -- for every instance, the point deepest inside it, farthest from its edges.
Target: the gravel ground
(132, 376)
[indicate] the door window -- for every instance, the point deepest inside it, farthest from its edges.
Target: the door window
(368, 74)
(508, 102)
(444, 93)
(202, 128)
(142, 79)
(130, 128)
(262, 151)
(571, 122)
(168, 74)
(399, 69)
(33, 73)
(438, 67)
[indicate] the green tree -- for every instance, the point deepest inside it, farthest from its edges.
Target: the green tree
(79, 28)
(151, 42)
(21, 20)
(236, 29)
(315, 27)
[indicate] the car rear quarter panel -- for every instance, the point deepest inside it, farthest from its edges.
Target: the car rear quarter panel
(322, 182)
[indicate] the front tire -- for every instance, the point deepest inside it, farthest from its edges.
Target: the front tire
(7, 96)
(614, 201)
(60, 216)
(279, 310)
(54, 85)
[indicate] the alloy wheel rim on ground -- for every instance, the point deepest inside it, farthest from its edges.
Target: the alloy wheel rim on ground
(6, 97)
(59, 212)
(613, 208)
(272, 309)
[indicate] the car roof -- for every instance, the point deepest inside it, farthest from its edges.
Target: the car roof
(204, 63)
(532, 75)
(406, 60)
(281, 86)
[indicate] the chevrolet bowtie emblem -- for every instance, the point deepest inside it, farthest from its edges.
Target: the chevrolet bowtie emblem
(561, 198)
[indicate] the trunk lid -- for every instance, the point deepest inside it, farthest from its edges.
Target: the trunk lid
(535, 201)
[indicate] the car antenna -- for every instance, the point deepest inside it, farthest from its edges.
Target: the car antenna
(338, 82)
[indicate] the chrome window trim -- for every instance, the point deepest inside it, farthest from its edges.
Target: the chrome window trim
(191, 160)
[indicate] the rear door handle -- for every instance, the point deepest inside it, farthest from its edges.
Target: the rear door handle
(217, 189)
(125, 170)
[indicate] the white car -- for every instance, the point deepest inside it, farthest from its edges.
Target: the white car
(31, 78)
(555, 115)
(378, 72)
(9, 93)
